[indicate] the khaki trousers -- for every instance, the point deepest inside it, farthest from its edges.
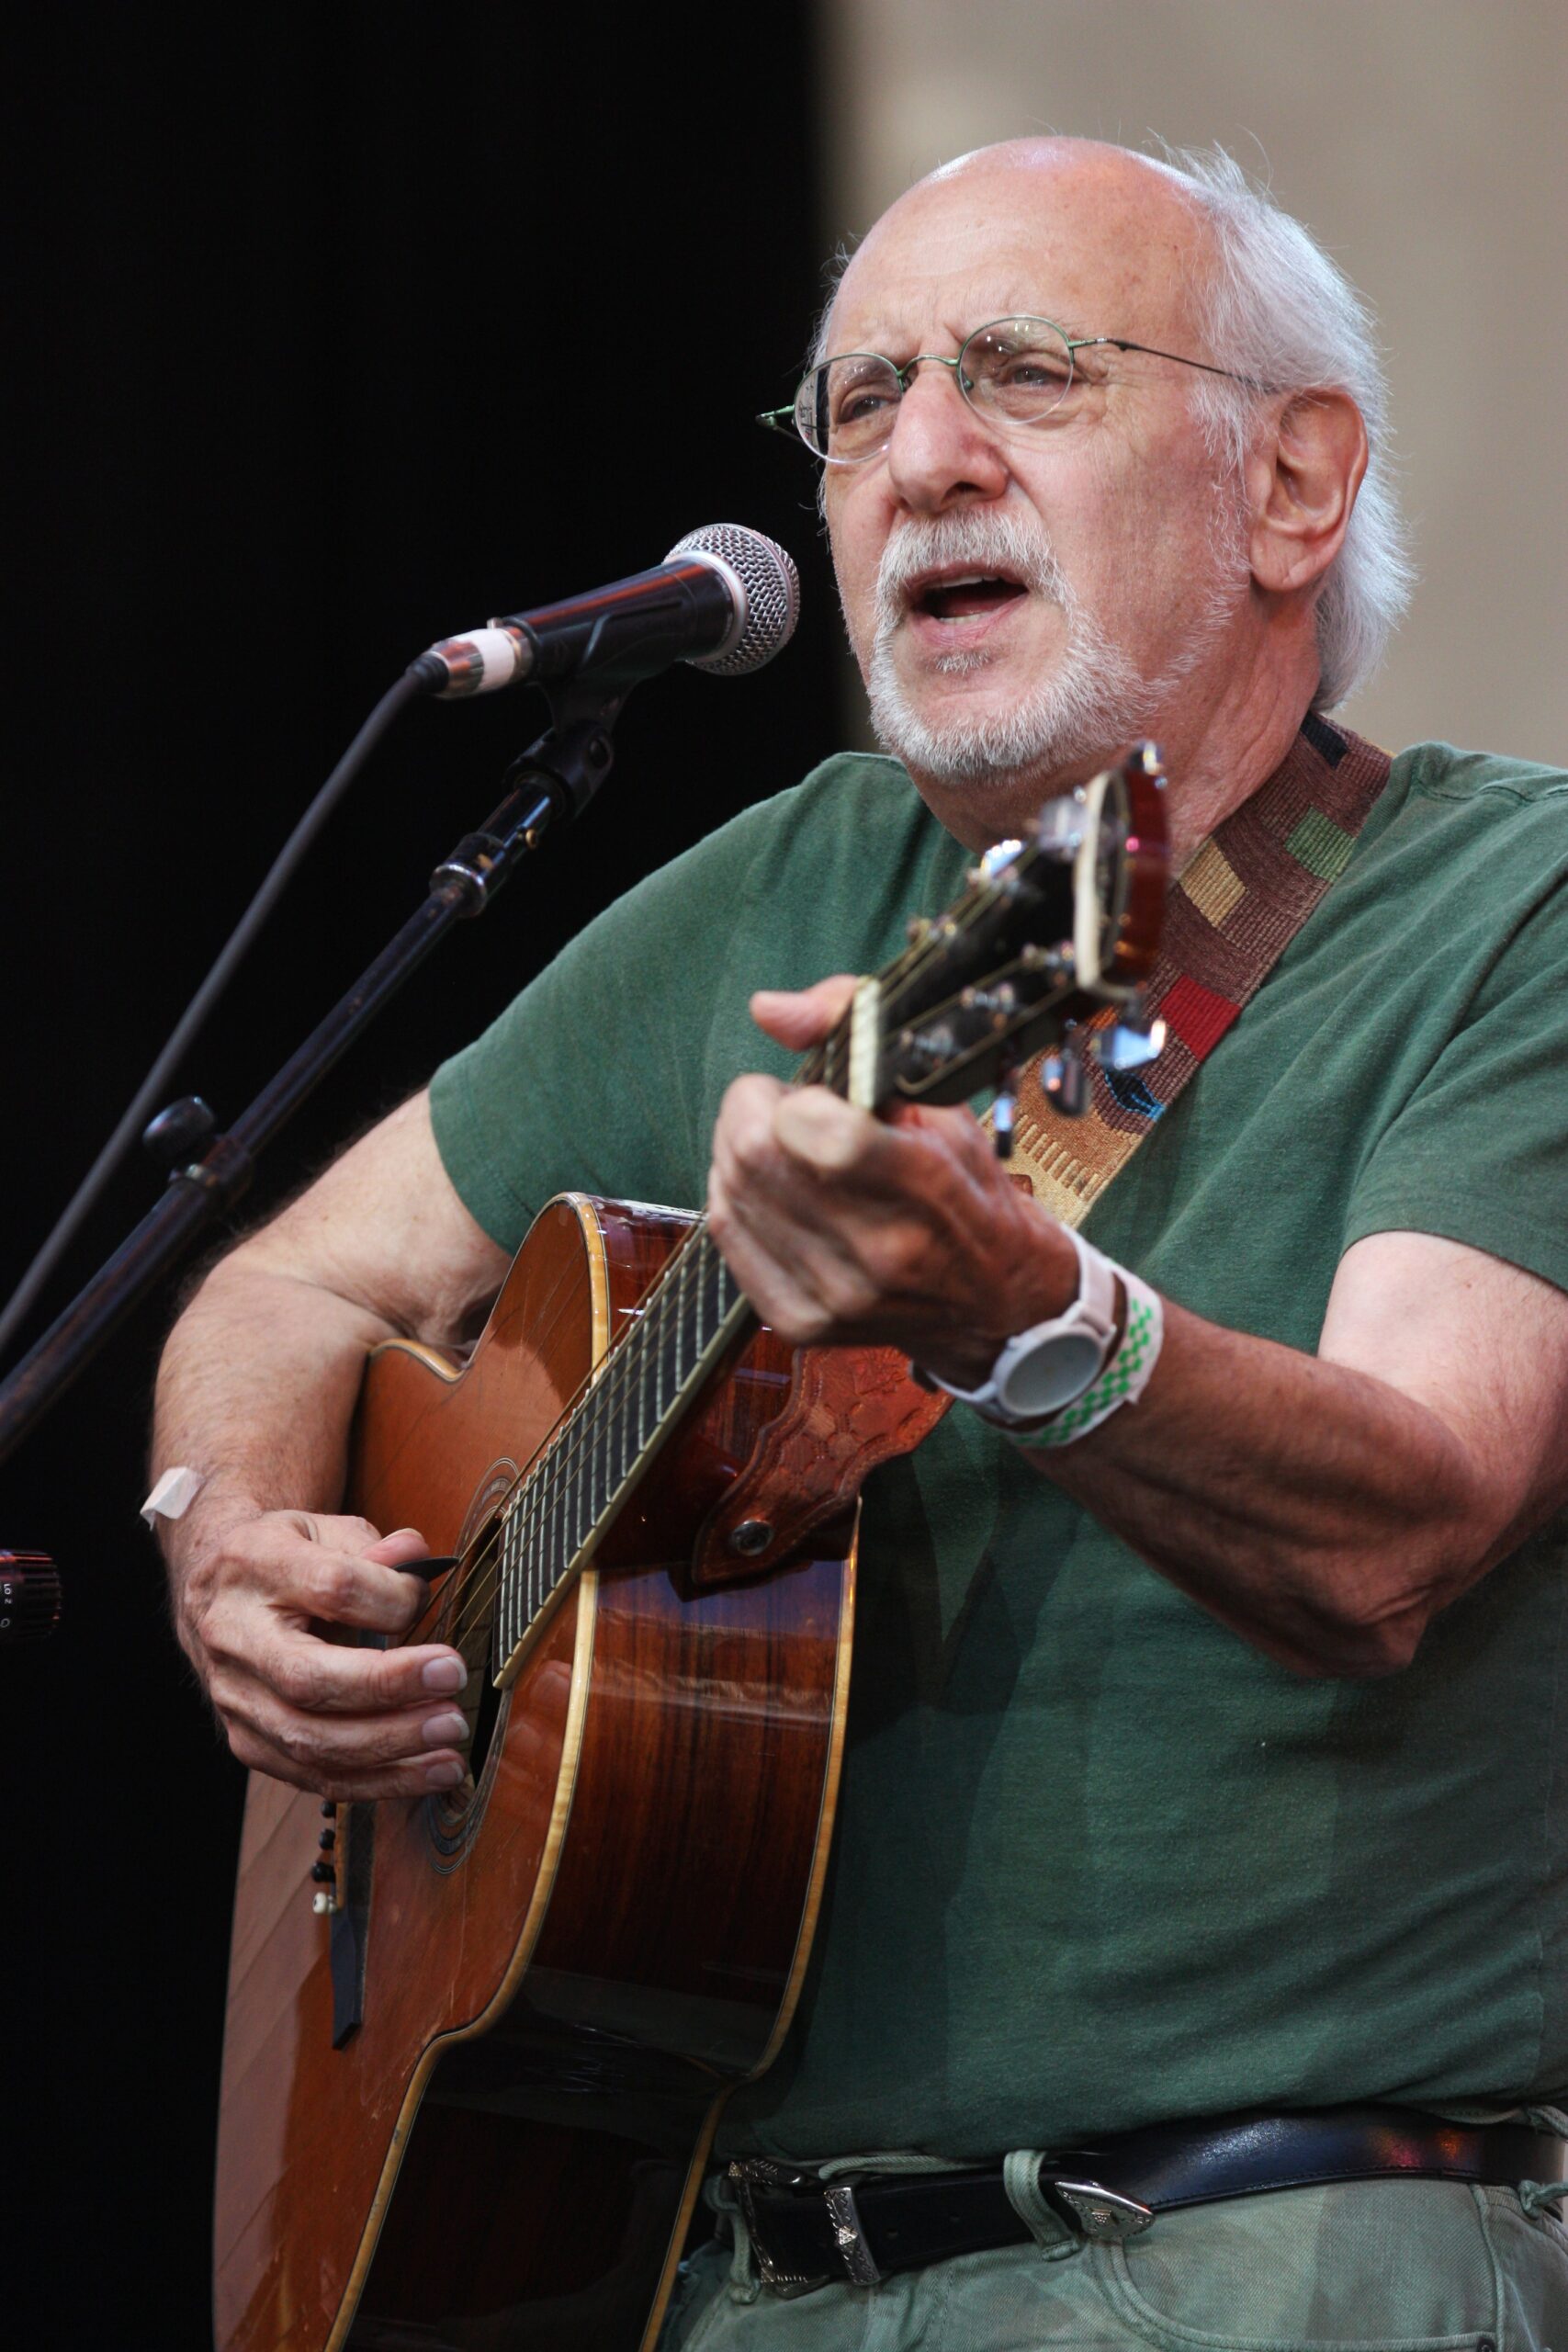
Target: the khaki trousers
(1406, 2265)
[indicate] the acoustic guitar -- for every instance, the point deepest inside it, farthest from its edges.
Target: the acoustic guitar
(477, 2044)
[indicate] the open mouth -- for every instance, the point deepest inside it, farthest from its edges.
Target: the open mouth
(959, 596)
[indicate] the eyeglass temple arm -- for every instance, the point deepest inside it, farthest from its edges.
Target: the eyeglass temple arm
(1119, 342)
(777, 420)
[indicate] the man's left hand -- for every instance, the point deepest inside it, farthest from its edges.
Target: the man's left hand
(903, 1231)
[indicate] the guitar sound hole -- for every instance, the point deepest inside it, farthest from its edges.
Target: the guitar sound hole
(471, 1628)
(487, 1714)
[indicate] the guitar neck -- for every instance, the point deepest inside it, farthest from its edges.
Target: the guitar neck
(691, 1320)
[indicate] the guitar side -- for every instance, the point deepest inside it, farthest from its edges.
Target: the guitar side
(562, 1970)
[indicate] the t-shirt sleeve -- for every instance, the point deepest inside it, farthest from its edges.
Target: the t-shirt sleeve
(1479, 1152)
(592, 1079)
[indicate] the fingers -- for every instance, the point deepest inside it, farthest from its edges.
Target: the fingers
(323, 1712)
(846, 1229)
(801, 1018)
(294, 1758)
(333, 1568)
(408, 1753)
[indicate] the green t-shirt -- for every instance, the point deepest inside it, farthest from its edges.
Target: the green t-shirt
(1099, 1864)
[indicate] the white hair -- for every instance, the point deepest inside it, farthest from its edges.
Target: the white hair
(1276, 310)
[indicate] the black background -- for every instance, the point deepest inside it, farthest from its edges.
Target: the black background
(333, 333)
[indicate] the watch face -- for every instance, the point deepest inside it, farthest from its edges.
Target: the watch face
(1053, 1373)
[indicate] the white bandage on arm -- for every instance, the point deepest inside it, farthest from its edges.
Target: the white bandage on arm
(174, 1494)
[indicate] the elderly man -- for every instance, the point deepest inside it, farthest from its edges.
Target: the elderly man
(1207, 1753)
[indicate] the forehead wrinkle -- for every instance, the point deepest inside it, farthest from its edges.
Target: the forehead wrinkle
(1089, 212)
(898, 344)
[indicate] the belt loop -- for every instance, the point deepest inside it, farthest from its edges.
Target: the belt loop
(1536, 2195)
(1020, 2180)
(744, 2285)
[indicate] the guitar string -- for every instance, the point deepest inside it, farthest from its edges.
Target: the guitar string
(605, 1398)
(597, 1411)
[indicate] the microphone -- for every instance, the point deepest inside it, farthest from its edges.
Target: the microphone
(725, 599)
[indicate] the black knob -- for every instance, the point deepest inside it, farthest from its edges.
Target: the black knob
(181, 1132)
(327, 1840)
(329, 1808)
(324, 1873)
(29, 1596)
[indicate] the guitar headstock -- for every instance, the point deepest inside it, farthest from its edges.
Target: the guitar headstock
(1048, 932)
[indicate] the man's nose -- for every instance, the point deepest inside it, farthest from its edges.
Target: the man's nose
(940, 452)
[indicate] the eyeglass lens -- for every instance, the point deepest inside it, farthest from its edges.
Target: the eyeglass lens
(1018, 370)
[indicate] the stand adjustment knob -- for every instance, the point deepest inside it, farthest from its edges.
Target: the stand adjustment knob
(180, 1133)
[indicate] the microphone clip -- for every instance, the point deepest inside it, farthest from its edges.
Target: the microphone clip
(553, 781)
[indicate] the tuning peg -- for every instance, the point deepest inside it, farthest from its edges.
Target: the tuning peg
(996, 860)
(1059, 828)
(1004, 1115)
(1131, 1043)
(1063, 1081)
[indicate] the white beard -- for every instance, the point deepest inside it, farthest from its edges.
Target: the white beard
(1095, 700)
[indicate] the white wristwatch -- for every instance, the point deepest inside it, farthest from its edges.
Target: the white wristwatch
(1042, 1369)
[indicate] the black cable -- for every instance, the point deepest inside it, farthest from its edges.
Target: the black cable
(417, 679)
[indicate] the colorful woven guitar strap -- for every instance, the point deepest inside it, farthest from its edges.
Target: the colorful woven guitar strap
(1236, 906)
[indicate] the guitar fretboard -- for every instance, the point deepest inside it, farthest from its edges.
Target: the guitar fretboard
(691, 1314)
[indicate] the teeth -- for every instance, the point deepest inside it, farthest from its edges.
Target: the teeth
(962, 580)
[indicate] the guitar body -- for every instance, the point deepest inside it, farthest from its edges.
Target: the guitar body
(470, 2105)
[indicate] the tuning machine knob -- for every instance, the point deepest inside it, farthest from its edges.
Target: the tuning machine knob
(1063, 1081)
(1132, 1042)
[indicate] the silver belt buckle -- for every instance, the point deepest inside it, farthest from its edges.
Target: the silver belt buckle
(747, 2173)
(843, 2213)
(1100, 2212)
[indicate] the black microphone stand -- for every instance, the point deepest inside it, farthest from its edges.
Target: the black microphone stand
(551, 782)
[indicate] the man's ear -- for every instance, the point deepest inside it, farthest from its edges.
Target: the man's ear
(1304, 479)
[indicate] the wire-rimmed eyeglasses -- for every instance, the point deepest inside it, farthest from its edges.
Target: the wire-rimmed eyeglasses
(1011, 371)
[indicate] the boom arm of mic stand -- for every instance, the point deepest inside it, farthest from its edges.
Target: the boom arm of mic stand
(553, 781)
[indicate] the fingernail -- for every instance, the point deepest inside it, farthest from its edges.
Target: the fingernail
(444, 1775)
(445, 1675)
(443, 1730)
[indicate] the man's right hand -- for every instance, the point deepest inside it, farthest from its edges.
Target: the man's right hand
(260, 1599)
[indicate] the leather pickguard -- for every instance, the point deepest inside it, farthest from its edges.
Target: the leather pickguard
(849, 1409)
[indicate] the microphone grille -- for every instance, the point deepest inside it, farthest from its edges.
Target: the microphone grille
(771, 586)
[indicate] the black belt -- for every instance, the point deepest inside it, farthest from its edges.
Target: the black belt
(806, 2232)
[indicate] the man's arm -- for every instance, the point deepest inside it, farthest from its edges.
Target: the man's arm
(256, 1391)
(1323, 1507)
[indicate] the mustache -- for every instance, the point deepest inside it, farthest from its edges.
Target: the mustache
(985, 540)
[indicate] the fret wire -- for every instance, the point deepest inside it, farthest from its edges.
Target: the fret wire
(678, 1324)
(505, 1591)
(519, 1612)
(533, 1498)
(705, 1254)
(531, 1506)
